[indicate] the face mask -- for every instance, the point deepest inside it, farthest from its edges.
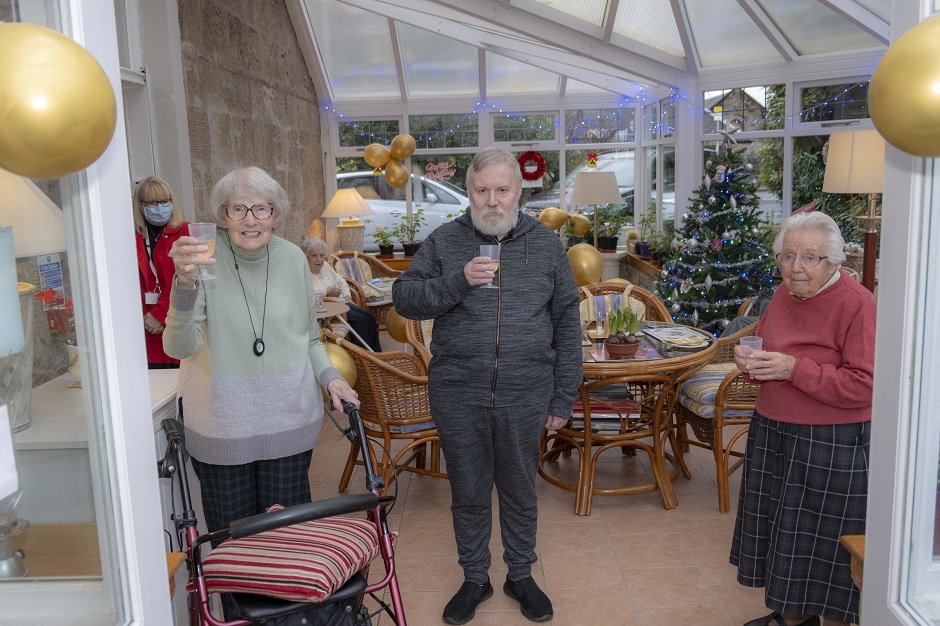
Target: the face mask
(160, 214)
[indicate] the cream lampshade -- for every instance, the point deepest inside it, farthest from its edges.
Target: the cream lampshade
(349, 204)
(595, 188)
(856, 164)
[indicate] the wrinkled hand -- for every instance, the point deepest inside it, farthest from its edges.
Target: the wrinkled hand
(762, 365)
(340, 390)
(185, 260)
(479, 271)
(554, 423)
(152, 325)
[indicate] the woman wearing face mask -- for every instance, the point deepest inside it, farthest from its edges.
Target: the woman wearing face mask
(158, 220)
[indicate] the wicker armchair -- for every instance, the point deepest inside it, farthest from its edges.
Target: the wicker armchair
(356, 272)
(419, 338)
(709, 399)
(393, 391)
(655, 310)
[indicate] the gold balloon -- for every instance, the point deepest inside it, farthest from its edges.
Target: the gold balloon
(553, 217)
(586, 263)
(342, 361)
(58, 111)
(403, 146)
(396, 174)
(618, 281)
(580, 225)
(904, 94)
(395, 325)
(376, 155)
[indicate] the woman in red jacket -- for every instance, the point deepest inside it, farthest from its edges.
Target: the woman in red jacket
(158, 219)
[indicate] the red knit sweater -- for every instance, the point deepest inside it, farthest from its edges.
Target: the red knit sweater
(832, 336)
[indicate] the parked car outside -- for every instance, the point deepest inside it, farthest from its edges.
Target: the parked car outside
(440, 200)
(621, 163)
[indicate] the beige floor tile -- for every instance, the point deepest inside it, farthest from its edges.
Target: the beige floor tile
(577, 570)
(573, 537)
(593, 607)
(428, 573)
(654, 520)
(706, 532)
(645, 551)
(701, 616)
(713, 562)
(740, 604)
(427, 512)
(665, 587)
(427, 540)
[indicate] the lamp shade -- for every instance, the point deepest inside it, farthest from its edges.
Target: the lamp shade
(856, 162)
(37, 223)
(595, 188)
(346, 203)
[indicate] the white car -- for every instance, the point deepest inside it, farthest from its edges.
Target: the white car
(440, 200)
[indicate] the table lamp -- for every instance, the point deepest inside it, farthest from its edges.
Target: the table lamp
(856, 164)
(595, 188)
(349, 204)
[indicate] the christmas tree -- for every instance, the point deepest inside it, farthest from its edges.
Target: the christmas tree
(721, 256)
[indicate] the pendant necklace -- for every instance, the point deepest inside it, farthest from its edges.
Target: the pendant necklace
(258, 346)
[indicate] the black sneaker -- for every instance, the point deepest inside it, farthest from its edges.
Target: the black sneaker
(534, 603)
(463, 606)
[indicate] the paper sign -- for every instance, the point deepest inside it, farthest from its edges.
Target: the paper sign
(9, 480)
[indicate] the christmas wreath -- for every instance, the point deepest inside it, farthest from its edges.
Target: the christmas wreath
(534, 157)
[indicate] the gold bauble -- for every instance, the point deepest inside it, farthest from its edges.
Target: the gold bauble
(396, 174)
(580, 225)
(553, 217)
(58, 112)
(342, 361)
(904, 94)
(586, 263)
(376, 155)
(402, 146)
(395, 325)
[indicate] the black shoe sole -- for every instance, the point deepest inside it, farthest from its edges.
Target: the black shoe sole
(507, 589)
(450, 620)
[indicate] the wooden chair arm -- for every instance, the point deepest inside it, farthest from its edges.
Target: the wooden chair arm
(356, 293)
(735, 392)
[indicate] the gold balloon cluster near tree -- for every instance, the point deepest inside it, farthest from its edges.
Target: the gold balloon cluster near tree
(586, 262)
(378, 156)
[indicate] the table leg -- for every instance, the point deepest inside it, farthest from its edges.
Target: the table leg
(668, 494)
(582, 501)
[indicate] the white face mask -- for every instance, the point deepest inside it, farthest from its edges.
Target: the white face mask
(159, 214)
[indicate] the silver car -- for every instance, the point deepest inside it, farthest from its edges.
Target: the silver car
(440, 200)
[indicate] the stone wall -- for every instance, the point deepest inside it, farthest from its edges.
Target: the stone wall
(250, 101)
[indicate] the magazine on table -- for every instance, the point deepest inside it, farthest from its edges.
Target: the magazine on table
(677, 335)
(606, 413)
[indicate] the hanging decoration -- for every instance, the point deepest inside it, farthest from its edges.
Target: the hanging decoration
(592, 160)
(377, 155)
(535, 158)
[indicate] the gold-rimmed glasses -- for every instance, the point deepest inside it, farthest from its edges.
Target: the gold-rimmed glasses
(807, 259)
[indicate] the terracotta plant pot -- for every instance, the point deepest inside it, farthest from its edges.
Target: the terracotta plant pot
(621, 350)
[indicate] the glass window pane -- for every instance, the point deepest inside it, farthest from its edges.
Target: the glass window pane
(516, 127)
(573, 86)
(600, 125)
(652, 167)
(834, 102)
(505, 76)
(426, 76)
(746, 108)
(621, 162)
(651, 121)
(451, 130)
(765, 157)
(718, 23)
(669, 183)
(651, 22)
(591, 11)
(361, 133)
(667, 118)
(812, 28)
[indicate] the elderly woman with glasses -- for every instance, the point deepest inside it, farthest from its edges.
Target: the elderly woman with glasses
(250, 384)
(329, 284)
(805, 477)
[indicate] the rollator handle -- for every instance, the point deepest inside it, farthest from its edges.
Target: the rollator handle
(356, 433)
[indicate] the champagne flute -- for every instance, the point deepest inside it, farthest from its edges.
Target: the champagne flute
(491, 251)
(205, 233)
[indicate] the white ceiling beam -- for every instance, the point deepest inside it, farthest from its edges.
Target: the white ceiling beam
(399, 62)
(609, 18)
(693, 62)
(861, 17)
(303, 29)
(777, 39)
(481, 55)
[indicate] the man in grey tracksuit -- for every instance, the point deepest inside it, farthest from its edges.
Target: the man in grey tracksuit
(506, 363)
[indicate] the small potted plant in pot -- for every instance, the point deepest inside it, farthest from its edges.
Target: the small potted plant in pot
(647, 225)
(407, 231)
(609, 223)
(624, 325)
(383, 238)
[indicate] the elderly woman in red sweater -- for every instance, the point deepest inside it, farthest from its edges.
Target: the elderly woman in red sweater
(805, 477)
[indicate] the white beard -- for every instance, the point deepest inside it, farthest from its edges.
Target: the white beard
(493, 221)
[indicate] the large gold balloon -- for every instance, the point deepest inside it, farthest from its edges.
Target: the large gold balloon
(580, 225)
(58, 111)
(396, 174)
(553, 217)
(395, 325)
(376, 155)
(586, 263)
(904, 94)
(342, 361)
(402, 146)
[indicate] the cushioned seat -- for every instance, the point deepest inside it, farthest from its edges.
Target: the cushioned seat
(698, 392)
(373, 278)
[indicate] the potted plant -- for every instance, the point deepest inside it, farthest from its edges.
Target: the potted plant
(622, 342)
(406, 231)
(661, 242)
(384, 239)
(646, 225)
(609, 223)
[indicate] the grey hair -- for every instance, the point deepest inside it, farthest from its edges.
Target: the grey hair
(248, 181)
(820, 222)
(494, 156)
(314, 244)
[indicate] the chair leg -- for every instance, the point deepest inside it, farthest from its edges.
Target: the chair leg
(436, 455)
(721, 466)
(680, 446)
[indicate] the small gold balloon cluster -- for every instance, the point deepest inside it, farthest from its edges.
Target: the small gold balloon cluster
(378, 156)
(586, 262)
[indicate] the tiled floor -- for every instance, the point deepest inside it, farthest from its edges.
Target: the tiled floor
(631, 562)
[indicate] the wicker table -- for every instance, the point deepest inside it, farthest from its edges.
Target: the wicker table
(656, 370)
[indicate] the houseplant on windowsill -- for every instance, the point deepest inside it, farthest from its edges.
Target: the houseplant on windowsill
(647, 225)
(384, 239)
(609, 224)
(407, 231)
(624, 325)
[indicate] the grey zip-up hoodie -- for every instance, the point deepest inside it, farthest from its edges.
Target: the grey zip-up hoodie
(517, 345)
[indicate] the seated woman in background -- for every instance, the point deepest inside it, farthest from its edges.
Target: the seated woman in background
(330, 284)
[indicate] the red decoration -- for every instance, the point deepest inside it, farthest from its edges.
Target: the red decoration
(536, 158)
(592, 160)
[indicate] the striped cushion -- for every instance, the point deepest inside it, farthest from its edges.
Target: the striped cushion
(697, 393)
(304, 562)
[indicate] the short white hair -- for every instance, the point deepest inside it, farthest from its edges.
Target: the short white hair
(817, 221)
(314, 244)
(248, 181)
(494, 156)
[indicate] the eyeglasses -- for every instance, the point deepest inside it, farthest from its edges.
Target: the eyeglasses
(152, 203)
(239, 211)
(806, 260)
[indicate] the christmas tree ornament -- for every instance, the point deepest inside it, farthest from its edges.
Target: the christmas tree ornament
(749, 167)
(724, 323)
(716, 244)
(675, 308)
(733, 202)
(708, 283)
(675, 294)
(693, 243)
(708, 183)
(664, 273)
(726, 235)
(695, 317)
(754, 230)
(712, 199)
(720, 172)
(686, 285)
